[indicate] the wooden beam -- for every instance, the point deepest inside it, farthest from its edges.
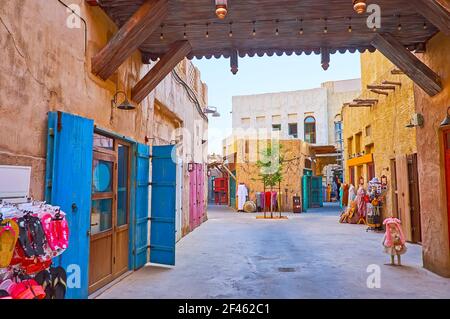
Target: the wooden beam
(360, 105)
(397, 72)
(325, 58)
(415, 69)
(381, 87)
(366, 101)
(177, 52)
(234, 61)
(380, 92)
(391, 83)
(128, 39)
(435, 12)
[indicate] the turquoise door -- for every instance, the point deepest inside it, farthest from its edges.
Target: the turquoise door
(316, 191)
(69, 185)
(162, 235)
(306, 187)
(233, 191)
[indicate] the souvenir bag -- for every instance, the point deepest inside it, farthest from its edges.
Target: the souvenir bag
(56, 232)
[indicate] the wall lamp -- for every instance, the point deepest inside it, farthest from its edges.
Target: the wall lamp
(211, 110)
(416, 121)
(446, 121)
(125, 105)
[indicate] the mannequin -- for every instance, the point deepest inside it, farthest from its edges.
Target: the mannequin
(242, 193)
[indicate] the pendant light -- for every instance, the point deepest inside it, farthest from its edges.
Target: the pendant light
(221, 9)
(359, 6)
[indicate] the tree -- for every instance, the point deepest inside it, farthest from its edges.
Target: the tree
(270, 165)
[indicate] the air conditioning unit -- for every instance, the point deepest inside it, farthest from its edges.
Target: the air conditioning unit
(14, 183)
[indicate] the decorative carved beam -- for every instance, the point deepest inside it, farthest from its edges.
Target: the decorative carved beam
(325, 58)
(434, 12)
(177, 52)
(128, 39)
(234, 61)
(415, 69)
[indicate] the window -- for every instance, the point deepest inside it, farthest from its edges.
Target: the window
(310, 130)
(368, 130)
(245, 122)
(358, 144)
(350, 146)
(370, 171)
(293, 130)
(276, 127)
(260, 121)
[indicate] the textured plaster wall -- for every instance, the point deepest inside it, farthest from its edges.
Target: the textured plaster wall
(431, 160)
(45, 68)
(294, 153)
(388, 118)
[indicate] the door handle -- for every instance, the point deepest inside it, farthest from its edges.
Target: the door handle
(74, 208)
(96, 224)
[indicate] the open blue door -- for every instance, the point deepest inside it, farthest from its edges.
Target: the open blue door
(69, 185)
(162, 236)
(141, 216)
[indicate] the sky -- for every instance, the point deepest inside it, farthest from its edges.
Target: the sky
(264, 75)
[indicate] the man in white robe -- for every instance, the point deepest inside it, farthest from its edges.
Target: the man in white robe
(242, 194)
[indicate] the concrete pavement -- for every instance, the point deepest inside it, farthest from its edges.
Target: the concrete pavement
(307, 256)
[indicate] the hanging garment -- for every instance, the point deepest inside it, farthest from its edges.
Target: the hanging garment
(345, 195)
(259, 201)
(274, 201)
(242, 196)
(351, 193)
(267, 200)
(361, 202)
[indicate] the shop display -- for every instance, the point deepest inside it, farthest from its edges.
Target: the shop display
(31, 235)
(394, 240)
(376, 191)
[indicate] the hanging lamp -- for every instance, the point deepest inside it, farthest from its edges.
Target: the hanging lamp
(221, 9)
(359, 6)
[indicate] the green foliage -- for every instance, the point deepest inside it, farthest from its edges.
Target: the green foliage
(270, 165)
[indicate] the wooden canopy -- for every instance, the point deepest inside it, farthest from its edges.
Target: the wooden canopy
(267, 27)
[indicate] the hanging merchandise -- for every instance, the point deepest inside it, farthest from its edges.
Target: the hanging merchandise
(376, 193)
(31, 235)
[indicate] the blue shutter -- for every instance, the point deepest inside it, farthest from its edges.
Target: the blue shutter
(162, 236)
(141, 215)
(68, 185)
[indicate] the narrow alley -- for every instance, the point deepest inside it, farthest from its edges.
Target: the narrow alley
(307, 256)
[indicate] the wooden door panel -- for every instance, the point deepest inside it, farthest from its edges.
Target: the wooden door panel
(403, 195)
(121, 255)
(100, 257)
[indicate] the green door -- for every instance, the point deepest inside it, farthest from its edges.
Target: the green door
(232, 184)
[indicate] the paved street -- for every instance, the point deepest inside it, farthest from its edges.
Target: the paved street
(307, 256)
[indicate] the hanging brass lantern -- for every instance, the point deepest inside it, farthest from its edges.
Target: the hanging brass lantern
(221, 8)
(359, 6)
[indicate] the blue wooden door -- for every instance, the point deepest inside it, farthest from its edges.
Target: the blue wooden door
(162, 236)
(141, 205)
(69, 185)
